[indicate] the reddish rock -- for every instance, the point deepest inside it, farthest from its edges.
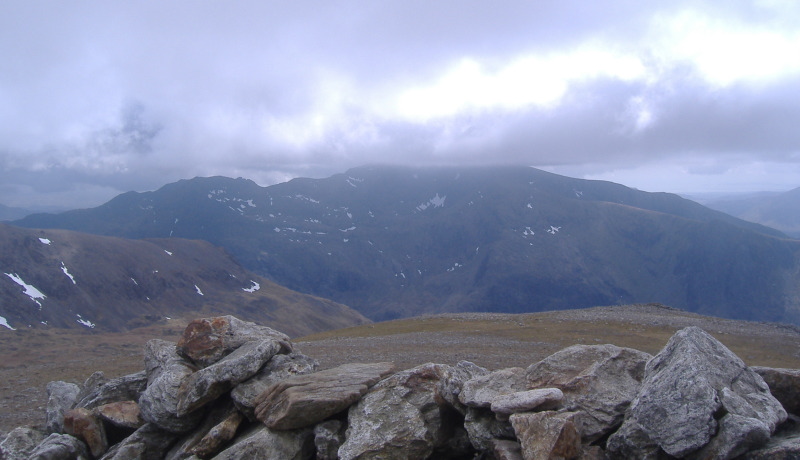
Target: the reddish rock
(206, 341)
(547, 435)
(216, 438)
(84, 425)
(124, 414)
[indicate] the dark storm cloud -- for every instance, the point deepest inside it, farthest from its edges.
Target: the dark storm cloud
(97, 98)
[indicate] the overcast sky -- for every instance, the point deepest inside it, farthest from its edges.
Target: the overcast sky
(102, 97)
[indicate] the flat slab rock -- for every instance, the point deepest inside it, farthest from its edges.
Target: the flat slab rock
(304, 400)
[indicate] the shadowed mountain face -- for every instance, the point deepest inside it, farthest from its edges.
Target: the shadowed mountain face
(66, 279)
(395, 242)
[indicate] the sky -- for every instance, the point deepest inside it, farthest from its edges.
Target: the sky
(98, 98)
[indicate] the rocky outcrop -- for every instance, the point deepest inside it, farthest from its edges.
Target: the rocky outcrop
(234, 390)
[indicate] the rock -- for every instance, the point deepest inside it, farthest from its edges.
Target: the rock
(693, 381)
(278, 368)
(598, 380)
(452, 382)
(92, 384)
(328, 437)
(483, 428)
(262, 442)
(217, 413)
(523, 401)
(783, 445)
(126, 388)
(210, 382)
(206, 341)
(547, 435)
(19, 443)
(61, 397)
(736, 436)
(122, 414)
(304, 400)
(480, 391)
(149, 442)
(166, 371)
(784, 384)
(220, 434)
(504, 449)
(60, 447)
(84, 425)
(400, 417)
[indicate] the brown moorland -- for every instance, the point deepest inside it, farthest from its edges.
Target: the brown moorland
(32, 358)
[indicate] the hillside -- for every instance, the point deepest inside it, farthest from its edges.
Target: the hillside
(777, 210)
(395, 242)
(66, 279)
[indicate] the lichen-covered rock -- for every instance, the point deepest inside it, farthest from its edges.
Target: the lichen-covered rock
(480, 391)
(60, 447)
(61, 397)
(505, 449)
(547, 435)
(166, 371)
(401, 417)
(262, 442)
(125, 388)
(783, 445)
(600, 381)
(483, 428)
(452, 382)
(692, 382)
(208, 383)
(206, 341)
(278, 368)
(19, 443)
(784, 384)
(328, 437)
(525, 401)
(304, 400)
(149, 442)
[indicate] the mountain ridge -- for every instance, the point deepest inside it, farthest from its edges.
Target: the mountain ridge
(401, 241)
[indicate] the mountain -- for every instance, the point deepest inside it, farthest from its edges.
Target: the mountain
(395, 242)
(777, 210)
(66, 279)
(9, 213)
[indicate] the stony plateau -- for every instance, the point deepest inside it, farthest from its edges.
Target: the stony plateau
(693, 399)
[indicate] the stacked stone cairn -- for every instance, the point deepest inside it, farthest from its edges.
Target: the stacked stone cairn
(236, 390)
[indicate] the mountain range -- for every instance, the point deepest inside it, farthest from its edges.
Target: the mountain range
(66, 279)
(400, 241)
(777, 210)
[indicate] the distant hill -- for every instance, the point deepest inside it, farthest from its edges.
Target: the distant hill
(66, 279)
(395, 242)
(8, 213)
(777, 210)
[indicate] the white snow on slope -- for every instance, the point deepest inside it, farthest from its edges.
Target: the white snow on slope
(553, 230)
(198, 290)
(4, 322)
(30, 291)
(85, 322)
(45, 241)
(252, 288)
(437, 202)
(66, 272)
(167, 252)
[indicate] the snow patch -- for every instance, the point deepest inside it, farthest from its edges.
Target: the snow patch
(528, 232)
(30, 291)
(349, 229)
(134, 281)
(553, 230)
(437, 202)
(198, 290)
(66, 272)
(45, 241)
(252, 288)
(455, 266)
(4, 322)
(578, 193)
(530, 206)
(85, 322)
(167, 252)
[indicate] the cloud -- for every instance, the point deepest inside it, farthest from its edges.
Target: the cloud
(108, 97)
